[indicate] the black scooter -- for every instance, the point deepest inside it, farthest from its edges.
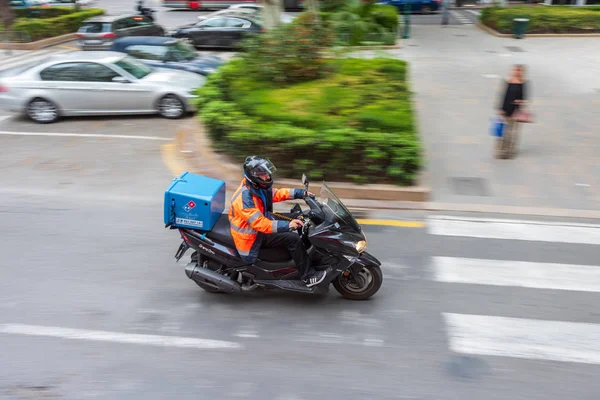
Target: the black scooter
(334, 240)
(146, 12)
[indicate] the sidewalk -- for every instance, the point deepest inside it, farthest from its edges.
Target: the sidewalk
(456, 74)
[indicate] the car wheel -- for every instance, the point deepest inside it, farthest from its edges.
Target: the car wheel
(170, 106)
(42, 111)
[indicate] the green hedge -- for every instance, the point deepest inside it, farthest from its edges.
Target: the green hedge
(361, 23)
(355, 125)
(43, 12)
(38, 29)
(544, 19)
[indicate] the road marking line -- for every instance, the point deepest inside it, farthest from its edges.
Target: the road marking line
(524, 338)
(584, 278)
(169, 156)
(117, 337)
(513, 230)
(5, 117)
(85, 135)
(391, 222)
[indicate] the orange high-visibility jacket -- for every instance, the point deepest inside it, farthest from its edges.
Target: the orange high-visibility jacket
(249, 216)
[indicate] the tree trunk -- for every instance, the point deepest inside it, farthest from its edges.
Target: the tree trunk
(7, 16)
(271, 13)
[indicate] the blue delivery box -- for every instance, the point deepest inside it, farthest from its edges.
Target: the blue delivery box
(194, 201)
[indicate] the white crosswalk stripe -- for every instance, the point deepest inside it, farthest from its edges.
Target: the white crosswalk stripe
(515, 230)
(462, 18)
(585, 278)
(524, 338)
(521, 338)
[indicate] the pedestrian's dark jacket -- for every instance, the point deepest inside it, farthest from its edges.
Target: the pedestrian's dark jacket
(514, 91)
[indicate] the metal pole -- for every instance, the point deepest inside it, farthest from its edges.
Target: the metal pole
(445, 12)
(406, 33)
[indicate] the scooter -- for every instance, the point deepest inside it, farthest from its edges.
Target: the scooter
(333, 237)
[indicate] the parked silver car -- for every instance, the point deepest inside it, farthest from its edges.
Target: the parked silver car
(96, 83)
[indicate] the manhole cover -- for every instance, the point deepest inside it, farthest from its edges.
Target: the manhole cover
(515, 49)
(469, 186)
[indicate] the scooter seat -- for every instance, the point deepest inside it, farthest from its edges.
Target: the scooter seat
(221, 233)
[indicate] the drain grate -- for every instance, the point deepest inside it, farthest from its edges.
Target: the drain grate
(515, 49)
(469, 186)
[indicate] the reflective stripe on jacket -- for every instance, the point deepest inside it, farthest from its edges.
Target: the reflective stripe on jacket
(249, 217)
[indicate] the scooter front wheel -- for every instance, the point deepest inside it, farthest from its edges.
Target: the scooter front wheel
(359, 286)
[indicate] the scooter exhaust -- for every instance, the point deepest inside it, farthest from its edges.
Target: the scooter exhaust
(210, 278)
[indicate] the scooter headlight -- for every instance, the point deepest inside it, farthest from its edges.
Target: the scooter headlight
(361, 246)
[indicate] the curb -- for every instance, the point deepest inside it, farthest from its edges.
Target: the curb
(398, 45)
(196, 148)
(198, 151)
(535, 35)
(40, 44)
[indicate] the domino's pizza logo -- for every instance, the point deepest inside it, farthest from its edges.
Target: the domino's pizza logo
(189, 206)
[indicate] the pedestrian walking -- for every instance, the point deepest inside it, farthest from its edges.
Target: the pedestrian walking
(512, 109)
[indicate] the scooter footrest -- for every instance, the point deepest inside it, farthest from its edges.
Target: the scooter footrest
(296, 286)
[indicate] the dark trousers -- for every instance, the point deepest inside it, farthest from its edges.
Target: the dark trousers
(293, 242)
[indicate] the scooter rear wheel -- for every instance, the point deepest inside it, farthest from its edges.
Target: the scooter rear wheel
(360, 286)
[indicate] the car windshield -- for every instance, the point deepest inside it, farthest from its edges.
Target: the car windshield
(134, 67)
(332, 204)
(183, 51)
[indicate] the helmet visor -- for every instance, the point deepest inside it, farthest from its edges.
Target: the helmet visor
(262, 167)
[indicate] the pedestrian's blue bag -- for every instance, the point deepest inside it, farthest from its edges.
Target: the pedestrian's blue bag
(497, 126)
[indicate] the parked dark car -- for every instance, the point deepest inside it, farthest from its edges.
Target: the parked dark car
(98, 33)
(167, 52)
(423, 6)
(220, 31)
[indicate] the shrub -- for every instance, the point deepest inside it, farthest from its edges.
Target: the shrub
(332, 5)
(290, 52)
(38, 29)
(365, 21)
(43, 12)
(549, 19)
(356, 125)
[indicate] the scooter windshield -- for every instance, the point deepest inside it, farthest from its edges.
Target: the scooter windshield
(334, 206)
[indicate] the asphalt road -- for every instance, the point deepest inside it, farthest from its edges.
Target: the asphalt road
(87, 266)
(84, 248)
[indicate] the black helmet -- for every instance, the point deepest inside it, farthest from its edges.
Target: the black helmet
(255, 166)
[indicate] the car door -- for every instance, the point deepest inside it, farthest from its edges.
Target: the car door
(124, 27)
(234, 31)
(138, 89)
(107, 96)
(64, 86)
(208, 31)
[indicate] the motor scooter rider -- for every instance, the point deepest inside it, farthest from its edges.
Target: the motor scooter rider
(253, 225)
(144, 11)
